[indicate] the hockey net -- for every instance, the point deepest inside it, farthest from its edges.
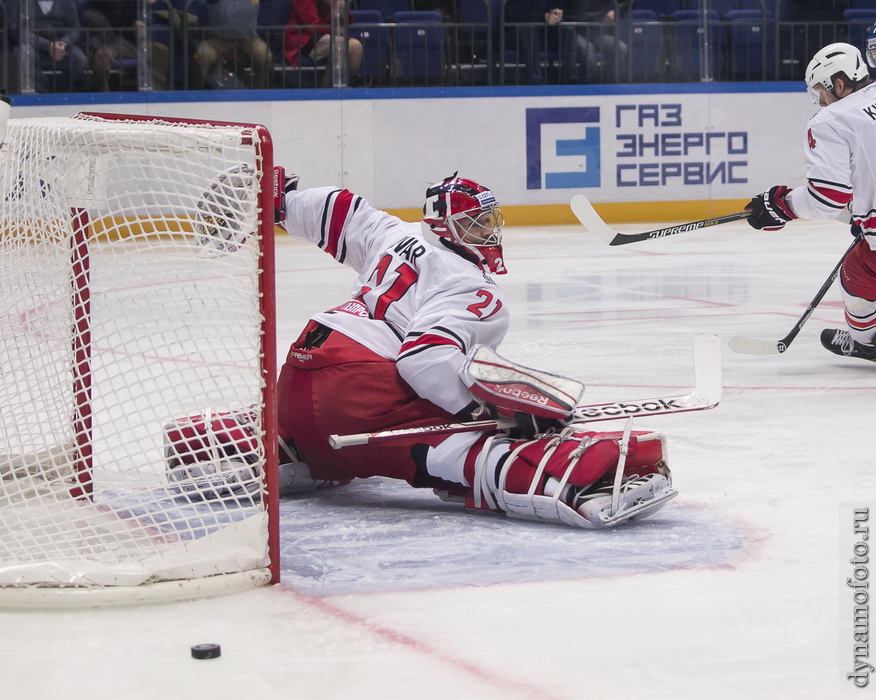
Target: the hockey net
(136, 288)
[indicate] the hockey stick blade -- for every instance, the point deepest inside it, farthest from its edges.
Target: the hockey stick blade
(586, 214)
(752, 346)
(705, 395)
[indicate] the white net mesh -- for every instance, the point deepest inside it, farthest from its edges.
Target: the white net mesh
(131, 255)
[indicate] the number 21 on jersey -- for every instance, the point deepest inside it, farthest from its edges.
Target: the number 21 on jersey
(403, 277)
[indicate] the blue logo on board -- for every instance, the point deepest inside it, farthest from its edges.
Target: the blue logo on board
(562, 151)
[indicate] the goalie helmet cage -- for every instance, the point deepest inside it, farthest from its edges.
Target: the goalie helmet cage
(136, 287)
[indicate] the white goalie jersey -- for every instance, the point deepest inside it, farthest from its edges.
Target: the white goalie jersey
(413, 302)
(840, 169)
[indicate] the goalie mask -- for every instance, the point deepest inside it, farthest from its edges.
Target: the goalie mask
(870, 48)
(466, 217)
(826, 63)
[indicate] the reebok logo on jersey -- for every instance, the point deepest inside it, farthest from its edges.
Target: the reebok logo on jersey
(811, 138)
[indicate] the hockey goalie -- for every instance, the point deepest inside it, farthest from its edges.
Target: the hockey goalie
(415, 346)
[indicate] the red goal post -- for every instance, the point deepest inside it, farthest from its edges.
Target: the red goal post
(136, 290)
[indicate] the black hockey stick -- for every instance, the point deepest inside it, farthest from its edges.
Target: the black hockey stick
(752, 346)
(590, 220)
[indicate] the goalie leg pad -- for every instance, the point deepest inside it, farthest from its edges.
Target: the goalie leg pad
(212, 456)
(546, 479)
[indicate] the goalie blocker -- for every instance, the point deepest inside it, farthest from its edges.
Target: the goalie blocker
(538, 401)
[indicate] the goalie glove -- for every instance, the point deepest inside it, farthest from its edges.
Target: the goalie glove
(283, 184)
(227, 212)
(770, 211)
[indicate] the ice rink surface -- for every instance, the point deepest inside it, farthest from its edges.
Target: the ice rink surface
(737, 589)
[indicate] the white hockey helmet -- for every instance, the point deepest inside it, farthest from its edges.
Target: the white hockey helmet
(833, 59)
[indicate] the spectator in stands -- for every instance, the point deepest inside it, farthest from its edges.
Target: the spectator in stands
(61, 63)
(589, 52)
(119, 20)
(309, 34)
(231, 38)
(531, 37)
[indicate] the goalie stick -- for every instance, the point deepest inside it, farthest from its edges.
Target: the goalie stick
(753, 346)
(590, 220)
(706, 394)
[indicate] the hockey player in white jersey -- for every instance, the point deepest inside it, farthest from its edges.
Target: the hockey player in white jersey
(424, 311)
(840, 172)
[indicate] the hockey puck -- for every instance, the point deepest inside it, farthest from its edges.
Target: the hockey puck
(206, 651)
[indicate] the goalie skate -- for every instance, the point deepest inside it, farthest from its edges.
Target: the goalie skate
(640, 496)
(295, 476)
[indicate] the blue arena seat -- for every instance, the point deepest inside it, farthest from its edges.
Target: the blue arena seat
(687, 33)
(478, 27)
(272, 20)
(419, 46)
(386, 8)
(662, 8)
(750, 43)
(644, 36)
(366, 27)
(722, 7)
(858, 23)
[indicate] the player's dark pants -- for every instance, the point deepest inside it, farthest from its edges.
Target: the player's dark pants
(330, 384)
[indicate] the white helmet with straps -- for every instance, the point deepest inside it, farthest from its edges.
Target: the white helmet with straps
(833, 59)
